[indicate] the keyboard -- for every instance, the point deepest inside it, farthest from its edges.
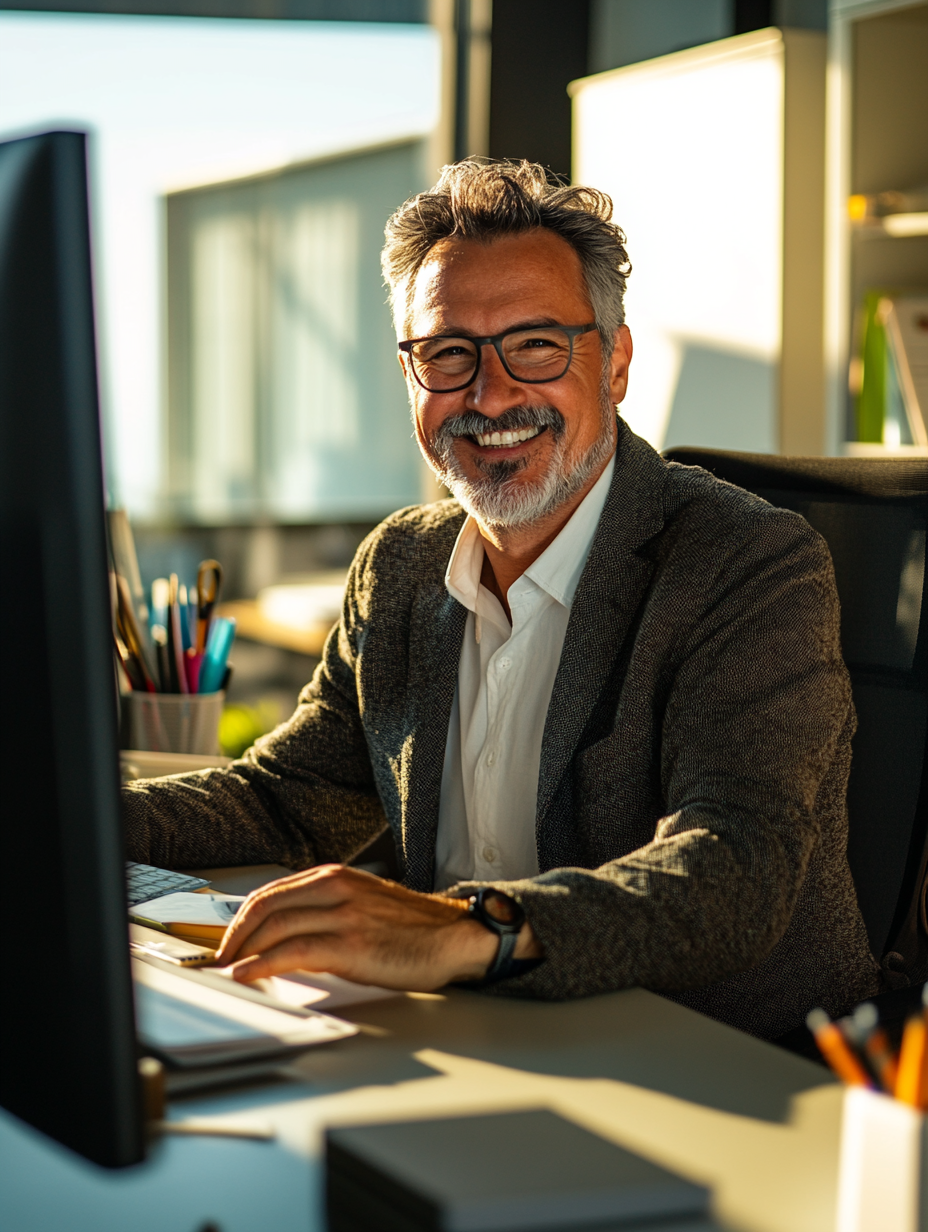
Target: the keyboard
(145, 882)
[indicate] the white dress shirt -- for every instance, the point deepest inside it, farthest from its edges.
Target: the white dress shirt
(489, 785)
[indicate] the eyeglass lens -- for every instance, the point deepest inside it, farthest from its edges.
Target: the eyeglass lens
(529, 354)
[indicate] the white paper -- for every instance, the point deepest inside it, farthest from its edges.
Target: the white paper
(190, 1013)
(185, 908)
(316, 988)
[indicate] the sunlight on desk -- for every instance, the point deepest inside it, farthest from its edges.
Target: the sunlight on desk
(758, 1125)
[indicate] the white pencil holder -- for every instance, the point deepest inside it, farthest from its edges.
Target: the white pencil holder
(175, 722)
(881, 1179)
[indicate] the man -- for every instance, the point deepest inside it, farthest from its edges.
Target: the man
(599, 698)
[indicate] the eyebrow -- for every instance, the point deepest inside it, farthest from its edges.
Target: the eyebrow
(533, 323)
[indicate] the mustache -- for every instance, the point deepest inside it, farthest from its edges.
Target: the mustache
(472, 423)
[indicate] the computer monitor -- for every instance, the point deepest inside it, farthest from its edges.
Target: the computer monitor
(67, 1035)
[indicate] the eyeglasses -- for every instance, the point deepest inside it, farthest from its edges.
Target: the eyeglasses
(447, 363)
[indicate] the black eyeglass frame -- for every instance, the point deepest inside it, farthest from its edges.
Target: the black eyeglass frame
(496, 340)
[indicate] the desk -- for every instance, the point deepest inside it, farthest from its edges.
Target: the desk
(756, 1123)
(255, 627)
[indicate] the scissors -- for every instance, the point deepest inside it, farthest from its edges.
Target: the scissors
(209, 580)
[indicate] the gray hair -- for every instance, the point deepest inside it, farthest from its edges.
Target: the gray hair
(484, 199)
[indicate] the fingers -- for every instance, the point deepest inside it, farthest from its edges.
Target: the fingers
(298, 953)
(358, 926)
(319, 886)
(290, 922)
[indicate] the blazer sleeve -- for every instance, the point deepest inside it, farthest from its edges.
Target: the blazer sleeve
(302, 795)
(751, 739)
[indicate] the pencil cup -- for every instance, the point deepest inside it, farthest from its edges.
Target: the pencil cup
(881, 1179)
(175, 722)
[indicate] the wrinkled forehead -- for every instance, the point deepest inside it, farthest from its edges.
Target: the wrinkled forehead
(486, 287)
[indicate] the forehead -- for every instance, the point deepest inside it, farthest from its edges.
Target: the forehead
(485, 288)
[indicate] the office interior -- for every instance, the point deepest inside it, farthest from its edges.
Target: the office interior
(239, 217)
(244, 157)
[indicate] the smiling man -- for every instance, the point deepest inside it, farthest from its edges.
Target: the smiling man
(598, 698)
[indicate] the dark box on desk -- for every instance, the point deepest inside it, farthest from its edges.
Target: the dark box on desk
(506, 1172)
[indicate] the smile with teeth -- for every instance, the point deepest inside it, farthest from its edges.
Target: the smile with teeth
(506, 438)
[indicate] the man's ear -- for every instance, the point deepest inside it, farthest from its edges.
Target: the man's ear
(404, 368)
(619, 364)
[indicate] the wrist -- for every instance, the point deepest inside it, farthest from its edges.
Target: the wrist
(528, 945)
(475, 951)
(503, 917)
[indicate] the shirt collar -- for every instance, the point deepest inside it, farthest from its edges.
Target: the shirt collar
(462, 577)
(557, 570)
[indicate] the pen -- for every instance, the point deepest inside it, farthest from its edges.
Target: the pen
(184, 616)
(837, 1051)
(193, 662)
(160, 596)
(876, 1046)
(190, 615)
(213, 669)
(176, 640)
(159, 637)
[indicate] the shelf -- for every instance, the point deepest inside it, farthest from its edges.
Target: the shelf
(868, 449)
(896, 226)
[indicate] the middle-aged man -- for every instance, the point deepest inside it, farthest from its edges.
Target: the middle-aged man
(598, 697)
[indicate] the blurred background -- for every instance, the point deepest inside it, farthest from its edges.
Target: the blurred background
(247, 153)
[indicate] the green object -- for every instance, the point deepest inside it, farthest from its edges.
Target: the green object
(240, 726)
(871, 403)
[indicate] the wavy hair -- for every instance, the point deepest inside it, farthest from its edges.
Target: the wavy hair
(485, 199)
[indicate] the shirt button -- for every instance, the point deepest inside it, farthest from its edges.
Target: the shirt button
(491, 758)
(489, 854)
(505, 664)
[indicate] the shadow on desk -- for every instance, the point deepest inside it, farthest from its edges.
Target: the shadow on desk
(662, 1046)
(632, 1037)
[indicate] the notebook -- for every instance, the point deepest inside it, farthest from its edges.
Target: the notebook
(503, 1172)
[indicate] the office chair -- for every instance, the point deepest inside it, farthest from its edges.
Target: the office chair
(873, 514)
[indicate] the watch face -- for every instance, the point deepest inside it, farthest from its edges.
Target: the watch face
(501, 908)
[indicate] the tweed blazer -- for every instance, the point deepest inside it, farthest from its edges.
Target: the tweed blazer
(691, 822)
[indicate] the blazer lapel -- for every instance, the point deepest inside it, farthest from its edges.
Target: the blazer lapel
(436, 632)
(605, 605)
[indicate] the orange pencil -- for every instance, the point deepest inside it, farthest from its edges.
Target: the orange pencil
(836, 1050)
(913, 1059)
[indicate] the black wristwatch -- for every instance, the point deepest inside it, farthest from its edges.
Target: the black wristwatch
(501, 915)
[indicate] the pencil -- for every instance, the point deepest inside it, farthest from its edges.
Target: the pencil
(837, 1051)
(913, 1059)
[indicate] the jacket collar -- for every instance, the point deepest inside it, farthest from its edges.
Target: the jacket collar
(608, 597)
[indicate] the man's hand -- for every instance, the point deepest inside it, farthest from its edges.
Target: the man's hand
(363, 928)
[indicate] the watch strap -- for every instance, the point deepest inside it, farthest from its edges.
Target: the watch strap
(504, 953)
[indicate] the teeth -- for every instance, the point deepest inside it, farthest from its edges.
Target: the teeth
(506, 438)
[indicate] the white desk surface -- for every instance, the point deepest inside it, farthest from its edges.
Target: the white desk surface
(757, 1124)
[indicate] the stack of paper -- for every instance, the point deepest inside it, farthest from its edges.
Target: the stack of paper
(189, 1022)
(205, 916)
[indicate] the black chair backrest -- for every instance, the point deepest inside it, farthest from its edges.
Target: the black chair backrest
(872, 513)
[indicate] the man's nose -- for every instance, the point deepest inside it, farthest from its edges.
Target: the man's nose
(494, 390)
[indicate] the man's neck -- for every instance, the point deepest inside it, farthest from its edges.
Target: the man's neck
(509, 552)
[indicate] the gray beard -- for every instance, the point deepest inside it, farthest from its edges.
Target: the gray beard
(497, 499)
